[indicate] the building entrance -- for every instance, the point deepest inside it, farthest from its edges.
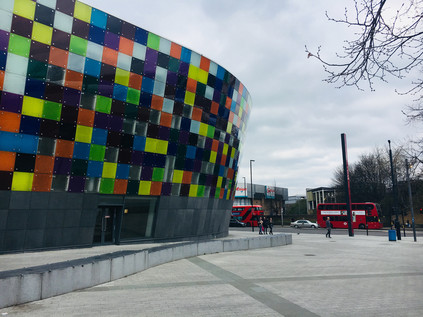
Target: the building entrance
(108, 224)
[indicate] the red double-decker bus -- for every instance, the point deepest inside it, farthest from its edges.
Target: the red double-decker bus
(248, 214)
(363, 214)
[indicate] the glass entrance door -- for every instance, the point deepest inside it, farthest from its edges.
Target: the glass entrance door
(108, 223)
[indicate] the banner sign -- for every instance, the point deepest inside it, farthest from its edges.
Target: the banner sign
(270, 192)
(241, 192)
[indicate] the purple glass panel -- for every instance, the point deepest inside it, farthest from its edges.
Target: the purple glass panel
(164, 133)
(166, 189)
(105, 88)
(150, 70)
(208, 144)
(172, 78)
(71, 96)
(146, 173)
(111, 40)
(216, 95)
(101, 120)
(76, 184)
(11, 102)
(183, 69)
(4, 40)
(116, 123)
(197, 166)
(151, 56)
(212, 191)
(183, 137)
(65, 6)
(137, 158)
(209, 180)
(62, 165)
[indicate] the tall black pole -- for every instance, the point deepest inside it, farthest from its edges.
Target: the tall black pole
(252, 193)
(347, 184)
(394, 193)
(411, 200)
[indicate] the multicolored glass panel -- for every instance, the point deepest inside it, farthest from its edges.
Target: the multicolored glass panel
(91, 103)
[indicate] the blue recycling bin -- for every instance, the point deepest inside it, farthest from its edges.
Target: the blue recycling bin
(392, 235)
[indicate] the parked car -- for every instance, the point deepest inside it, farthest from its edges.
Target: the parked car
(236, 223)
(304, 224)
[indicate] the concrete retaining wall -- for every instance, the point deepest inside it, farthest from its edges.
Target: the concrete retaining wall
(27, 285)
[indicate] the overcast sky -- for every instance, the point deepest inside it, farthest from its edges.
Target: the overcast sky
(294, 131)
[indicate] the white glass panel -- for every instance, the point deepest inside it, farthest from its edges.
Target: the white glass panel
(94, 51)
(139, 51)
(16, 64)
(195, 59)
(159, 88)
(165, 46)
(7, 5)
(161, 74)
(124, 61)
(213, 68)
(63, 22)
(195, 127)
(14, 83)
(167, 105)
(48, 3)
(5, 20)
(76, 62)
(209, 92)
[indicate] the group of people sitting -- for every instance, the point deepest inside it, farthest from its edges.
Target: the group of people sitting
(265, 223)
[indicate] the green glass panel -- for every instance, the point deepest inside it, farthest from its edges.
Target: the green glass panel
(103, 104)
(37, 70)
(217, 193)
(131, 111)
(52, 110)
(210, 132)
(153, 41)
(19, 45)
(200, 192)
(173, 64)
(78, 45)
(158, 174)
(107, 185)
(133, 96)
(97, 152)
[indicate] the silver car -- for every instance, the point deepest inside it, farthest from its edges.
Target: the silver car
(304, 224)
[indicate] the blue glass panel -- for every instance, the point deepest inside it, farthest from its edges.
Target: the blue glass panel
(122, 171)
(220, 72)
(92, 67)
(221, 170)
(139, 143)
(95, 169)
(28, 144)
(120, 92)
(147, 85)
(185, 124)
(98, 18)
(172, 148)
(3, 58)
(8, 141)
(99, 136)
(191, 152)
(186, 55)
(141, 36)
(35, 88)
(30, 125)
(96, 35)
(81, 150)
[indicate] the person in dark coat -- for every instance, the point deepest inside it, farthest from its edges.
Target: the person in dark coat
(265, 225)
(270, 226)
(328, 226)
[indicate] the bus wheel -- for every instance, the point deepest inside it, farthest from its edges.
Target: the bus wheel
(361, 226)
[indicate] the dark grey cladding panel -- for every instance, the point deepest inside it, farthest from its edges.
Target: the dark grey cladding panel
(70, 236)
(34, 239)
(164, 226)
(110, 199)
(17, 219)
(58, 201)
(37, 219)
(4, 199)
(55, 218)
(1, 240)
(13, 240)
(74, 201)
(39, 200)
(90, 201)
(88, 217)
(53, 237)
(85, 236)
(72, 218)
(164, 202)
(3, 219)
(20, 200)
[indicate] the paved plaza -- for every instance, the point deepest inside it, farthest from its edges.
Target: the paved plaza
(315, 276)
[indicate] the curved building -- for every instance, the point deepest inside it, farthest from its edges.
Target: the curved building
(110, 133)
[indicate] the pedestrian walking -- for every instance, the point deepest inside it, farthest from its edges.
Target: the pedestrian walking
(270, 226)
(265, 225)
(328, 226)
(260, 224)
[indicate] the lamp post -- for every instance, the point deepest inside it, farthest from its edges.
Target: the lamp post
(411, 199)
(394, 193)
(252, 193)
(245, 187)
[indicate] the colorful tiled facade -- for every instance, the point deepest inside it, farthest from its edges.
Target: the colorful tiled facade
(95, 106)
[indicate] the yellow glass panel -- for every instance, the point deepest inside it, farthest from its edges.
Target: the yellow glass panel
(25, 8)
(213, 155)
(193, 190)
(219, 181)
(151, 145)
(144, 188)
(22, 181)
(189, 98)
(229, 128)
(109, 170)
(233, 153)
(203, 76)
(122, 77)
(203, 129)
(32, 107)
(82, 12)
(193, 72)
(162, 147)
(42, 33)
(225, 149)
(83, 134)
(177, 176)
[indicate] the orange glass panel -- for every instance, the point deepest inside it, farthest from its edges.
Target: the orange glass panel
(166, 119)
(175, 50)
(156, 188)
(196, 114)
(1, 79)
(191, 85)
(110, 56)
(73, 79)
(222, 192)
(228, 103)
(126, 46)
(205, 63)
(58, 57)
(223, 160)
(241, 88)
(7, 161)
(214, 107)
(135, 81)
(9, 121)
(86, 117)
(64, 148)
(44, 164)
(230, 173)
(42, 182)
(120, 186)
(186, 179)
(157, 102)
(215, 145)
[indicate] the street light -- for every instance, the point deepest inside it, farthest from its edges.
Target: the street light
(252, 193)
(394, 192)
(245, 187)
(411, 199)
